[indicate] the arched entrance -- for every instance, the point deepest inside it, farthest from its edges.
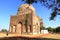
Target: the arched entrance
(29, 29)
(19, 25)
(14, 28)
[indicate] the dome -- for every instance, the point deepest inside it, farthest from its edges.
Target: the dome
(24, 6)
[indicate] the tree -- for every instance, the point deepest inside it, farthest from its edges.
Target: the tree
(58, 29)
(51, 4)
(54, 30)
(42, 28)
(3, 30)
(49, 29)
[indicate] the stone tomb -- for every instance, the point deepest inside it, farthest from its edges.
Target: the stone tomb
(26, 21)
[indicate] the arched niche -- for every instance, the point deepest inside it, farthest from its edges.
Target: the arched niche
(29, 28)
(24, 28)
(19, 26)
(11, 29)
(14, 28)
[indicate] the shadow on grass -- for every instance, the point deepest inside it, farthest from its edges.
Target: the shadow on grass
(25, 38)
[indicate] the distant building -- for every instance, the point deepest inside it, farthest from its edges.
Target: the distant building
(26, 21)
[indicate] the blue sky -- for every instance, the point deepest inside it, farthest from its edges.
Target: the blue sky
(10, 7)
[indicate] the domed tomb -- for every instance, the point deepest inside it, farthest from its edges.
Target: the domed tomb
(26, 21)
(25, 8)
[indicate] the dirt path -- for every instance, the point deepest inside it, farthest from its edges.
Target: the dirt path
(55, 36)
(47, 36)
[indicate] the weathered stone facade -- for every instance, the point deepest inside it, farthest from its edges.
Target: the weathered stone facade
(26, 21)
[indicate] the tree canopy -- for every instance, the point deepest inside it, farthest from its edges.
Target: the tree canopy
(50, 29)
(55, 30)
(58, 29)
(3, 30)
(50, 4)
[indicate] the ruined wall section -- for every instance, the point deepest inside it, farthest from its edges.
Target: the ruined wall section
(20, 18)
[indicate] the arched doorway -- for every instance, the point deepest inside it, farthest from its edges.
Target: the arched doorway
(11, 29)
(14, 28)
(19, 25)
(24, 28)
(29, 29)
